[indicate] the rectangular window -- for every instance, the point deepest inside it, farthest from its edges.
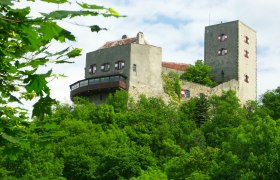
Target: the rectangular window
(105, 67)
(134, 68)
(119, 65)
(222, 52)
(246, 54)
(246, 78)
(185, 93)
(246, 39)
(222, 37)
(92, 69)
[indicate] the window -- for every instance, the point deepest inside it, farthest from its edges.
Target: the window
(246, 54)
(223, 74)
(92, 69)
(246, 39)
(222, 52)
(185, 93)
(246, 78)
(119, 65)
(105, 67)
(222, 37)
(134, 68)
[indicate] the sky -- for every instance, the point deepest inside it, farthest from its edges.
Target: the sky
(178, 27)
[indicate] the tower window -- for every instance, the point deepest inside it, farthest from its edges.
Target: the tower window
(92, 69)
(119, 65)
(246, 39)
(222, 52)
(222, 37)
(105, 67)
(246, 78)
(134, 68)
(246, 54)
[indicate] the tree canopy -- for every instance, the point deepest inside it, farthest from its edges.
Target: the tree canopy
(199, 73)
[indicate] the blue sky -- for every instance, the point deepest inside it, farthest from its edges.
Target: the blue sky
(178, 27)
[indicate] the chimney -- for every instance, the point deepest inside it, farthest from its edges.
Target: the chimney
(140, 38)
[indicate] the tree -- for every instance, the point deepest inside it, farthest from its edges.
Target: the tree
(172, 85)
(271, 102)
(201, 110)
(199, 73)
(24, 47)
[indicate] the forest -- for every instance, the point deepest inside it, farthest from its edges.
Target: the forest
(203, 138)
(145, 138)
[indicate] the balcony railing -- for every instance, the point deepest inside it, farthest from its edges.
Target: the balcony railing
(99, 84)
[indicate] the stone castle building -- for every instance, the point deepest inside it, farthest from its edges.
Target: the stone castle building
(134, 65)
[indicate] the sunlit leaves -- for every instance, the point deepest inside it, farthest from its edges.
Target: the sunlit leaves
(37, 83)
(74, 53)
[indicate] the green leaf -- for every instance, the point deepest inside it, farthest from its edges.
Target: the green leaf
(38, 62)
(50, 30)
(10, 138)
(113, 12)
(6, 2)
(43, 106)
(89, 6)
(75, 52)
(96, 28)
(56, 1)
(38, 83)
(62, 14)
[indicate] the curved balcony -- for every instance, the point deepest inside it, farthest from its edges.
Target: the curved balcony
(97, 85)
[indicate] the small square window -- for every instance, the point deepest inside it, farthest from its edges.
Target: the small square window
(119, 65)
(134, 68)
(222, 52)
(185, 93)
(92, 69)
(222, 37)
(246, 54)
(105, 67)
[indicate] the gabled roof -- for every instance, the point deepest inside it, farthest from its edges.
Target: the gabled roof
(123, 41)
(175, 66)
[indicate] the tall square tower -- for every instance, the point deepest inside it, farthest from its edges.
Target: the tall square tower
(230, 49)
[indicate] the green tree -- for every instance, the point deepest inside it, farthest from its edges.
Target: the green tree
(201, 110)
(172, 85)
(199, 73)
(271, 103)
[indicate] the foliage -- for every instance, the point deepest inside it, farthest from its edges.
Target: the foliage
(172, 85)
(199, 73)
(271, 102)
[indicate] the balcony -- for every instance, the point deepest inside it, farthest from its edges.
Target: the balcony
(97, 85)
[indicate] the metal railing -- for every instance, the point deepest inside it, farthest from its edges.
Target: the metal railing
(97, 80)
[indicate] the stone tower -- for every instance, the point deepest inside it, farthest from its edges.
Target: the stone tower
(230, 49)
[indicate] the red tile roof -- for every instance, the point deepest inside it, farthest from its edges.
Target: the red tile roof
(175, 66)
(110, 44)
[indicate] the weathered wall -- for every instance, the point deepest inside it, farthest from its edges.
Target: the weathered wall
(247, 65)
(195, 89)
(147, 60)
(227, 63)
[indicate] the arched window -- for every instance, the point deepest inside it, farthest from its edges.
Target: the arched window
(105, 67)
(119, 65)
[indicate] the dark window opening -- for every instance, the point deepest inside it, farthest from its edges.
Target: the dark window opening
(185, 93)
(100, 97)
(119, 65)
(105, 67)
(246, 54)
(134, 68)
(223, 74)
(92, 69)
(222, 52)
(246, 39)
(246, 78)
(222, 37)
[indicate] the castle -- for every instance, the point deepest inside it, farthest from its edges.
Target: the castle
(132, 64)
